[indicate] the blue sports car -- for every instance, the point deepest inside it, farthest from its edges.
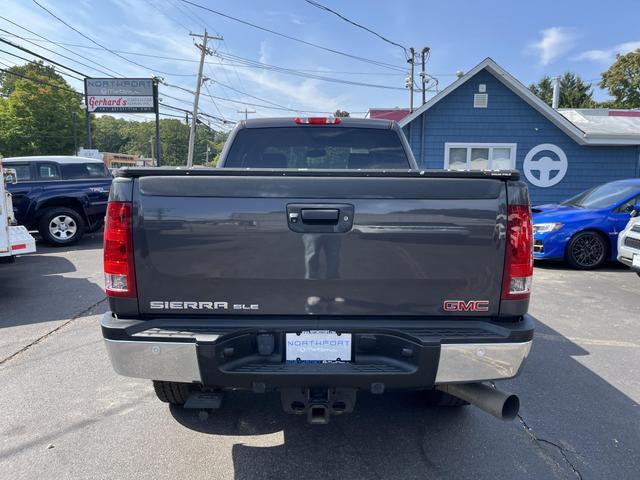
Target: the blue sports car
(584, 229)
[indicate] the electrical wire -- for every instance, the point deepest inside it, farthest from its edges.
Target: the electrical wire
(61, 46)
(289, 37)
(42, 57)
(327, 9)
(113, 52)
(309, 75)
(42, 82)
(33, 61)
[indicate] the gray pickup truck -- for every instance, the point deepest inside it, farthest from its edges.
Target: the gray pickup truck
(318, 261)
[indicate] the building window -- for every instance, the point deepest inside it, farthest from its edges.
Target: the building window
(480, 156)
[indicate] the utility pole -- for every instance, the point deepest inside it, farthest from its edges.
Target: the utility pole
(246, 113)
(74, 122)
(157, 114)
(412, 51)
(151, 141)
(423, 75)
(204, 51)
(87, 119)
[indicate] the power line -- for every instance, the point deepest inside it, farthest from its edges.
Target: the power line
(59, 45)
(42, 82)
(327, 9)
(102, 46)
(33, 61)
(309, 75)
(289, 37)
(260, 65)
(30, 52)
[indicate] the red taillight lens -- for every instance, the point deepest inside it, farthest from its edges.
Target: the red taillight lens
(518, 265)
(119, 275)
(317, 120)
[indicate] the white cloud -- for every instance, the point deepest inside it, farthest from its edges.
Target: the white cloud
(607, 55)
(554, 42)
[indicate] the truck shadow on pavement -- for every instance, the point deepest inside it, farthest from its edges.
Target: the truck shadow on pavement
(568, 423)
(44, 286)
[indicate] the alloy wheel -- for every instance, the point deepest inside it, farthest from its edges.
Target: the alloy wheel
(588, 250)
(63, 227)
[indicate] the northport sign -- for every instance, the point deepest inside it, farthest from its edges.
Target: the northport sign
(120, 95)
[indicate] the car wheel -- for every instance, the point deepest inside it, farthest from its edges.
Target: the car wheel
(61, 226)
(587, 250)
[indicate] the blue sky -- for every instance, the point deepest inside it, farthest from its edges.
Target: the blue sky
(529, 39)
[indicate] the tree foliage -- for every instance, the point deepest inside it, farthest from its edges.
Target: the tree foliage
(574, 92)
(138, 138)
(341, 113)
(36, 118)
(622, 80)
(36, 112)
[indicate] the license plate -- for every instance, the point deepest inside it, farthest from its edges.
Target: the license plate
(636, 261)
(318, 346)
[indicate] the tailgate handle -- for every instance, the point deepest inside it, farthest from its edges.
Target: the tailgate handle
(320, 215)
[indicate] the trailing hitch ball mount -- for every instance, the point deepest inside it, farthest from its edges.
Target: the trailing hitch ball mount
(318, 403)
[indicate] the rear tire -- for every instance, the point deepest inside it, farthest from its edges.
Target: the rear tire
(61, 226)
(587, 250)
(174, 393)
(436, 398)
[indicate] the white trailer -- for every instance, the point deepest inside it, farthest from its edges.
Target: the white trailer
(14, 239)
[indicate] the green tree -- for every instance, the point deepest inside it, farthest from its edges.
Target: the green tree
(574, 92)
(110, 134)
(138, 138)
(36, 113)
(341, 113)
(622, 80)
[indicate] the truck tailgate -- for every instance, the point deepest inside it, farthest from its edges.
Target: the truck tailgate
(214, 245)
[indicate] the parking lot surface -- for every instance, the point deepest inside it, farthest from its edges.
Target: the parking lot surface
(66, 414)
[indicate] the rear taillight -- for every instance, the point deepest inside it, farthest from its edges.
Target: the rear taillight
(119, 275)
(317, 120)
(518, 265)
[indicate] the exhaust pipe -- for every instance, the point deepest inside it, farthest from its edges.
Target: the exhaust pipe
(502, 405)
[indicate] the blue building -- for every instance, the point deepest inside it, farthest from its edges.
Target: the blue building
(487, 119)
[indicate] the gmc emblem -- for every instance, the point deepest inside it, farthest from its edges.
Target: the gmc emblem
(466, 306)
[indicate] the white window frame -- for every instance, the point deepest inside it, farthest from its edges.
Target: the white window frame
(490, 146)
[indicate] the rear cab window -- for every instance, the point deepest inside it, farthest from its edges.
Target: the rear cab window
(75, 171)
(317, 148)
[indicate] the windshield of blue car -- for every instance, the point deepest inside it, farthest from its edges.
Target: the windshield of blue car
(603, 196)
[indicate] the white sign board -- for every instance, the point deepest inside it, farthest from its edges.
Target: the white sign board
(113, 95)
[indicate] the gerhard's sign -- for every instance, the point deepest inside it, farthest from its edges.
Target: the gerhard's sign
(113, 95)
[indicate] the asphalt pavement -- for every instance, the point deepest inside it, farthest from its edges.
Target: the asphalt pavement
(66, 414)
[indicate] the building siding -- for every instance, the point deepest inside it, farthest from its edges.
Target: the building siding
(509, 119)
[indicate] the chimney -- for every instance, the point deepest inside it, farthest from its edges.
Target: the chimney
(556, 93)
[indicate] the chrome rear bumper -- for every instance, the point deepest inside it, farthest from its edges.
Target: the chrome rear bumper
(178, 361)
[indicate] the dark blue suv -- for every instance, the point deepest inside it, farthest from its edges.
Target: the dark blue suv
(61, 197)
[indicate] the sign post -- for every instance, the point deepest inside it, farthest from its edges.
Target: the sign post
(123, 95)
